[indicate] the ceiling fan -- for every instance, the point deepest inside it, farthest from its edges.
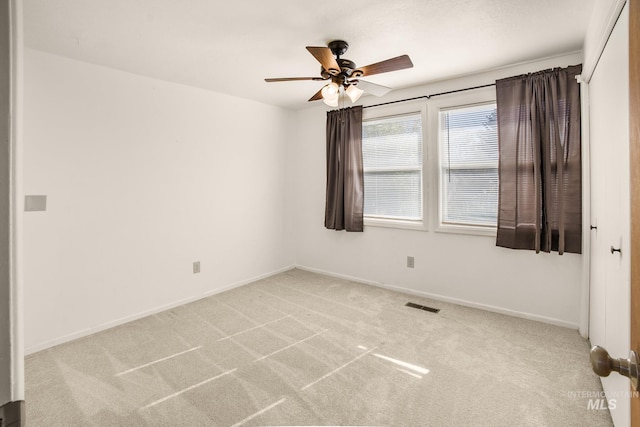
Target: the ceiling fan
(344, 73)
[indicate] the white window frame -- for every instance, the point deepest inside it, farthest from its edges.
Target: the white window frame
(399, 110)
(436, 105)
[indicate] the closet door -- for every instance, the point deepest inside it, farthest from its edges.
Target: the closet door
(610, 211)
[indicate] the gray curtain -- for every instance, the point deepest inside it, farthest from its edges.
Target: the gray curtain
(345, 178)
(540, 195)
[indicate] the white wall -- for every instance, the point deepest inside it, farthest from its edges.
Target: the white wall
(460, 268)
(143, 177)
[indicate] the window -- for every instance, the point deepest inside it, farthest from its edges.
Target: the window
(440, 174)
(393, 177)
(468, 145)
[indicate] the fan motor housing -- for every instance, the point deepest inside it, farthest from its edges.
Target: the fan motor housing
(347, 68)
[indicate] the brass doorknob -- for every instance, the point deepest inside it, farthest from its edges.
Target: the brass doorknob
(603, 364)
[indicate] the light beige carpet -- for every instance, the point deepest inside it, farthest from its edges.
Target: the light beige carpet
(305, 349)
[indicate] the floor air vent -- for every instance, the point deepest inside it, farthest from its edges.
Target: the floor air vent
(422, 307)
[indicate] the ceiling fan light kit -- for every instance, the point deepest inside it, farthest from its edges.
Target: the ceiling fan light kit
(344, 74)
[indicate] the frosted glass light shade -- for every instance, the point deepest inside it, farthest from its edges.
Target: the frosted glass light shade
(354, 93)
(330, 94)
(331, 90)
(331, 102)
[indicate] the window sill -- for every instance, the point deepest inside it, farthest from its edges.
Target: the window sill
(395, 223)
(466, 229)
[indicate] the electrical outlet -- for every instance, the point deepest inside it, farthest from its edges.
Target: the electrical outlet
(410, 261)
(196, 267)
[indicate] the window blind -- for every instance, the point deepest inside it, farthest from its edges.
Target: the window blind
(469, 165)
(392, 157)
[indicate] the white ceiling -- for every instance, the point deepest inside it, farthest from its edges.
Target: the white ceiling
(231, 46)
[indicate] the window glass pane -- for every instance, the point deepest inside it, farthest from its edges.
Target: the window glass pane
(392, 142)
(393, 194)
(469, 165)
(471, 196)
(392, 156)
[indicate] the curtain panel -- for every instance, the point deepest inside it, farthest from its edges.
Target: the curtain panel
(540, 190)
(344, 208)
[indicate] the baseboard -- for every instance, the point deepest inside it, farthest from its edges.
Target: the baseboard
(149, 312)
(486, 307)
(130, 318)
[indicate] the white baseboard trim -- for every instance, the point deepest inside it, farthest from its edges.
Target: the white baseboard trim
(486, 307)
(107, 325)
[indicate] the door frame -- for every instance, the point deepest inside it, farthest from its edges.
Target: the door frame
(12, 388)
(634, 186)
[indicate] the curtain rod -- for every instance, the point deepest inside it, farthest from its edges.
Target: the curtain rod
(429, 96)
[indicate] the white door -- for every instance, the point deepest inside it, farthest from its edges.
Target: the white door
(610, 212)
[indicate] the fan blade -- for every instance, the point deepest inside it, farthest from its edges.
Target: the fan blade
(372, 88)
(393, 64)
(316, 96)
(290, 79)
(325, 57)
